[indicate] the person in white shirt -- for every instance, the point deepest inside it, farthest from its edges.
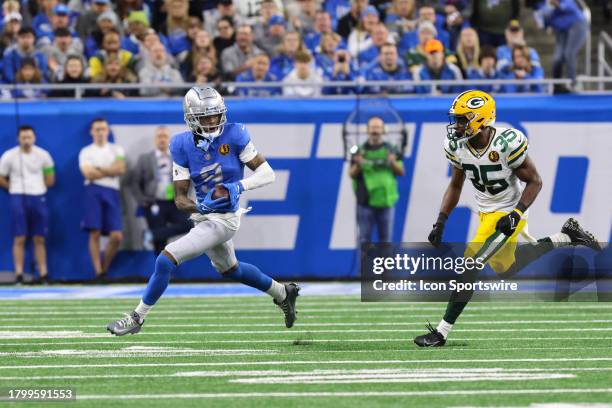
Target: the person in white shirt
(26, 171)
(299, 82)
(101, 164)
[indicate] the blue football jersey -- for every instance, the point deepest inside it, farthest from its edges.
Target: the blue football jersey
(220, 164)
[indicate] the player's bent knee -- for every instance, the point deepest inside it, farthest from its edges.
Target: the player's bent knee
(230, 270)
(169, 256)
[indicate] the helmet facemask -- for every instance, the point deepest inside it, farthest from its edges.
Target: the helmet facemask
(205, 131)
(462, 127)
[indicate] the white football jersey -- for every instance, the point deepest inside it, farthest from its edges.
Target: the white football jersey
(491, 171)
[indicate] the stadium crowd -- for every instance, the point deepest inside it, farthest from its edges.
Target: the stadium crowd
(294, 41)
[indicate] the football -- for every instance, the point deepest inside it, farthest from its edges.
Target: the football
(219, 192)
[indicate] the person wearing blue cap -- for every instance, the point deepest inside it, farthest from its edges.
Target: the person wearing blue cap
(272, 36)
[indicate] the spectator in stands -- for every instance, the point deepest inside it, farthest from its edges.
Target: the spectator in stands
(435, 67)
(272, 38)
(239, 57)
(380, 37)
(389, 67)
(260, 72)
(60, 19)
(375, 168)
(202, 45)
(468, 50)
(250, 10)
(522, 68)
(322, 25)
(360, 38)
(102, 163)
(342, 70)
(87, 22)
(416, 55)
(325, 58)
(29, 74)
(427, 14)
(487, 61)
(24, 49)
(571, 29)
(205, 72)
(226, 37)
(490, 18)
(305, 19)
(401, 17)
(350, 20)
(268, 9)
(176, 25)
(27, 171)
(456, 18)
(151, 186)
(41, 23)
(159, 72)
(113, 72)
(107, 22)
(64, 44)
(12, 25)
(111, 45)
(225, 10)
(137, 28)
(298, 83)
(283, 63)
(73, 73)
(514, 36)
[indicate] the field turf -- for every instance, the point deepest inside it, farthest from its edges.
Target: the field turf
(222, 351)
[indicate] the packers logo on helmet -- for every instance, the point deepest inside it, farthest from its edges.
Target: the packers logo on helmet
(470, 112)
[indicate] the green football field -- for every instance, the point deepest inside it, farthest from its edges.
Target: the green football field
(217, 352)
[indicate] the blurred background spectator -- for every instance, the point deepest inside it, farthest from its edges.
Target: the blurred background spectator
(151, 185)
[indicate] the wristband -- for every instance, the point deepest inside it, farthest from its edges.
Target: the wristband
(442, 218)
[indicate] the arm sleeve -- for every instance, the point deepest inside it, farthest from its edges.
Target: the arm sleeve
(262, 176)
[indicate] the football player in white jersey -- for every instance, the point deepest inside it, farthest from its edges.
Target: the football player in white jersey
(495, 160)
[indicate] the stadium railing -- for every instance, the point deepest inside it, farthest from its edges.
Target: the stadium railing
(603, 67)
(548, 84)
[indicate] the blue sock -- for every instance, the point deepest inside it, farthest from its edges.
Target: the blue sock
(159, 280)
(251, 275)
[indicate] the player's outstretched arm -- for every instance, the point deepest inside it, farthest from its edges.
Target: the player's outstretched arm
(528, 174)
(262, 173)
(181, 200)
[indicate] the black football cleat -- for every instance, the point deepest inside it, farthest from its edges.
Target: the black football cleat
(288, 305)
(579, 236)
(432, 339)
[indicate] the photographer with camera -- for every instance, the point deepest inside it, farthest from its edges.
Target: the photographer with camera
(375, 166)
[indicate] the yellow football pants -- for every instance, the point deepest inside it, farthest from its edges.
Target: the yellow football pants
(493, 246)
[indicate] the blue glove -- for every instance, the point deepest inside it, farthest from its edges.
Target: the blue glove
(234, 189)
(208, 205)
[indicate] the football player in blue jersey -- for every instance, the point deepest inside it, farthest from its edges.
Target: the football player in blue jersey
(211, 157)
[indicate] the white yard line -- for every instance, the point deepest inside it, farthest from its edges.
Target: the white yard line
(441, 393)
(266, 373)
(305, 362)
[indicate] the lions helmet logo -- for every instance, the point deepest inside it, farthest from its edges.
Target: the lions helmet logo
(494, 156)
(475, 102)
(224, 149)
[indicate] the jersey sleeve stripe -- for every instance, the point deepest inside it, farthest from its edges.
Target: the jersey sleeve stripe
(517, 150)
(517, 155)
